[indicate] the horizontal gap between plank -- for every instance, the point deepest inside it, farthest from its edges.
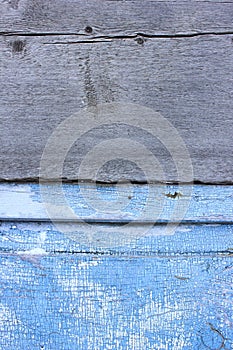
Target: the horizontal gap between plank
(35, 180)
(109, 254)
(92, 39)
(118, 222)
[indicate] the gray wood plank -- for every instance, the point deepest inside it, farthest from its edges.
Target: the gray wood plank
(188, 81)
(115, 17)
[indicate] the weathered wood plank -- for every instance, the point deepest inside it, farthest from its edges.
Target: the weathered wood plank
(188, 80)
(148, 291)
(128, 289)
(144, 211)
(93, 303)
(116, 17)
(118, 204)
(32, 241)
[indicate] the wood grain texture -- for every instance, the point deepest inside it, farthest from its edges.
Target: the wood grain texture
(151, 291)
(46, 79)
(105, 286)
(119, 17)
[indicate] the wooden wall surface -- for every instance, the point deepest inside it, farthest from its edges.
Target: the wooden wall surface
(174, 57)
(108, 285)
(104, 288)
(105, 284)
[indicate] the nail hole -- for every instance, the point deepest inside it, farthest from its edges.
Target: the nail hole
(88, 29)
(140, 41)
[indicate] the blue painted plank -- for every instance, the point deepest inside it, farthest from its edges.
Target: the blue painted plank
(34, 238)
(113, 286)
(109, 203)
(93, 302)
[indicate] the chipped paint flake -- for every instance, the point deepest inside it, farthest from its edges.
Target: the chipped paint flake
(33, 252)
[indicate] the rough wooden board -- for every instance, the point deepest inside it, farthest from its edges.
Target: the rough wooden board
(149, 292)
(119, 204)
(48, 78)
(90, 303)
(35, 240)
(115, 17)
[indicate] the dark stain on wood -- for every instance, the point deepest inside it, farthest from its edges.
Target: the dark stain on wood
(18, 46)
(89, 85)
(106, 86)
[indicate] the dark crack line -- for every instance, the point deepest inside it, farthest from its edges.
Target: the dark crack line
(41, 34)
(124, 255)
(28, 180)
(184, 35)
(109, 38)
(120, 221)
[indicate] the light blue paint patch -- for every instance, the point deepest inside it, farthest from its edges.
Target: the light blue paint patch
(89, 303)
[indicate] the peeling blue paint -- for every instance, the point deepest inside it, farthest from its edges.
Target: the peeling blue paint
(155, 292)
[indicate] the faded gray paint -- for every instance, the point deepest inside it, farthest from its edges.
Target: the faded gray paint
(186, 76)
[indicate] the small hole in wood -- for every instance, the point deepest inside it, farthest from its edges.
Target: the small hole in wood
(88, 29)
(140, 41)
